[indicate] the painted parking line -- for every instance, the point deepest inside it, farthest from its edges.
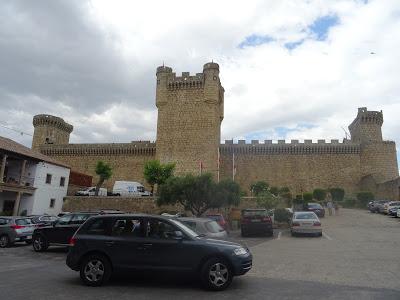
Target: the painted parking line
(326, 236)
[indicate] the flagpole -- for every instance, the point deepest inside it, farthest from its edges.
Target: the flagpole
(218, 162)
(233, 166)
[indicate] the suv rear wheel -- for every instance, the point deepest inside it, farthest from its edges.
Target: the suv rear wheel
(95, 270)
(40, 243)
(4, 241)
(216, 274)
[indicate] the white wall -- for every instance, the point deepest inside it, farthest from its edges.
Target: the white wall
(44, 192)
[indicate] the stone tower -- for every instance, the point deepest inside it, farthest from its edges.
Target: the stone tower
(378, 158)
(190, 111)
(50, 130)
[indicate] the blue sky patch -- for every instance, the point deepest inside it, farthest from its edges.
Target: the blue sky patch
(321, 26)
(292, 45)
(255, 40)
(279, 132)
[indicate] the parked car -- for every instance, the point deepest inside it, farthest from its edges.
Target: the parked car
(129, 189)
(256, 221)
(219, 218)
(61, 231)
(305, 223)
(91, 191)
(108, 243)
(398, 213)
(317, 208)
(44, 220)
(393, 211)
(380, 206)
(373, 206)
(205, 227)
(389, 205)
(15, 229)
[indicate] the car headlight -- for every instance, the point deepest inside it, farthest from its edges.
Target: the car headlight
(240, 251)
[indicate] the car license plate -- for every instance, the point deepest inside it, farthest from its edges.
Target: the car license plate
(255, 220)
(28, 237)
(306, 224)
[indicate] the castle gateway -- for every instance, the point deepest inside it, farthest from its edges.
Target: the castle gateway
(190, 112)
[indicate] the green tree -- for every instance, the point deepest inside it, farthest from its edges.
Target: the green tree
(319, 194)
(286, 195)
(267, 200)
(104, 171)
(198, 193)
(337, 194)
(307, 197)
(157, 173)
(274, 190)
(259, 187)
(228, 192)
(364, 197)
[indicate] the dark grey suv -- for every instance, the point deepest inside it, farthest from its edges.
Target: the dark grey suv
(104, 244)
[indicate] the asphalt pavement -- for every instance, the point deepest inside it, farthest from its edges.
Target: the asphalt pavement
(356, 258)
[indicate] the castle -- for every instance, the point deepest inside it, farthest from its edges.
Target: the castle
(190, 112)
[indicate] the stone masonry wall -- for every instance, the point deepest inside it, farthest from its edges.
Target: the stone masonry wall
(126, 160)
(300, 170)
(129, 205)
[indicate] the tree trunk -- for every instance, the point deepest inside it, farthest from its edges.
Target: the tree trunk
(98, 185)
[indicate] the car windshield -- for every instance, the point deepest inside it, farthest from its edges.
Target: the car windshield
(214, 217)
(213, 227)
(185, 228)
(255, 213)
(305, 216)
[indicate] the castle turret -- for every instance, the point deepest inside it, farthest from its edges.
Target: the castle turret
(190, 111)
(378, 159)
(50, 130)
(367, 126)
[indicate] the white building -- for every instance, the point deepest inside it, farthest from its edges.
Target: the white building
(30, 183)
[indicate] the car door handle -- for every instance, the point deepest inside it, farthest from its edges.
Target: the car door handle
(110, 243)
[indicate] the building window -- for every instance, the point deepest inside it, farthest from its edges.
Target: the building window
(52, 202)
(48, 178)
(62, 181)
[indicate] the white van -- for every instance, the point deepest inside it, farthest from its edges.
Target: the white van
(90, 191)
(129, 189)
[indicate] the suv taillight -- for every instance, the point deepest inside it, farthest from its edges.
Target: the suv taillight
(17, 226)
(72, 242)
(317, 224)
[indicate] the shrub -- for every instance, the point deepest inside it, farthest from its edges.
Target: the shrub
(307, 197)
(267, 200)
(274, 190)
(337, 194)
(363, 198)
(281, 215)
(319, 194)
(259, 187)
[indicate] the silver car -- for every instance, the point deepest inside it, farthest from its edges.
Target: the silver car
(305, 223)
(205, 227)
(15, 229)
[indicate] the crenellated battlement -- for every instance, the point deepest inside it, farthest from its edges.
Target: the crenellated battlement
(57, 122)
(186, 81)
(367, 116)
(134, 148)
(293, 147)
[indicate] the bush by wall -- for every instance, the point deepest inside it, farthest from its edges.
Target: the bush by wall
(363, 198)
(281, 215)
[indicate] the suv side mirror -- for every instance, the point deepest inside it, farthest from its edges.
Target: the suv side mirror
(178, 235)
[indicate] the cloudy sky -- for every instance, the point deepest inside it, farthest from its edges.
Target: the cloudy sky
(291, 69)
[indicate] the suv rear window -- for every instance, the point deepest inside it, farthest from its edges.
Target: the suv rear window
(97, 227)
(305, 216)
(213, 227)
(23, 222)
(254, 213)
(314, 205)
(79, 218)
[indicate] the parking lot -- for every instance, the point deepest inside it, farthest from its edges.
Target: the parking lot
(357, 257)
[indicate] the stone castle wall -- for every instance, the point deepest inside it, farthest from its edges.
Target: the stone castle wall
(127, 160)
(299, 166)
